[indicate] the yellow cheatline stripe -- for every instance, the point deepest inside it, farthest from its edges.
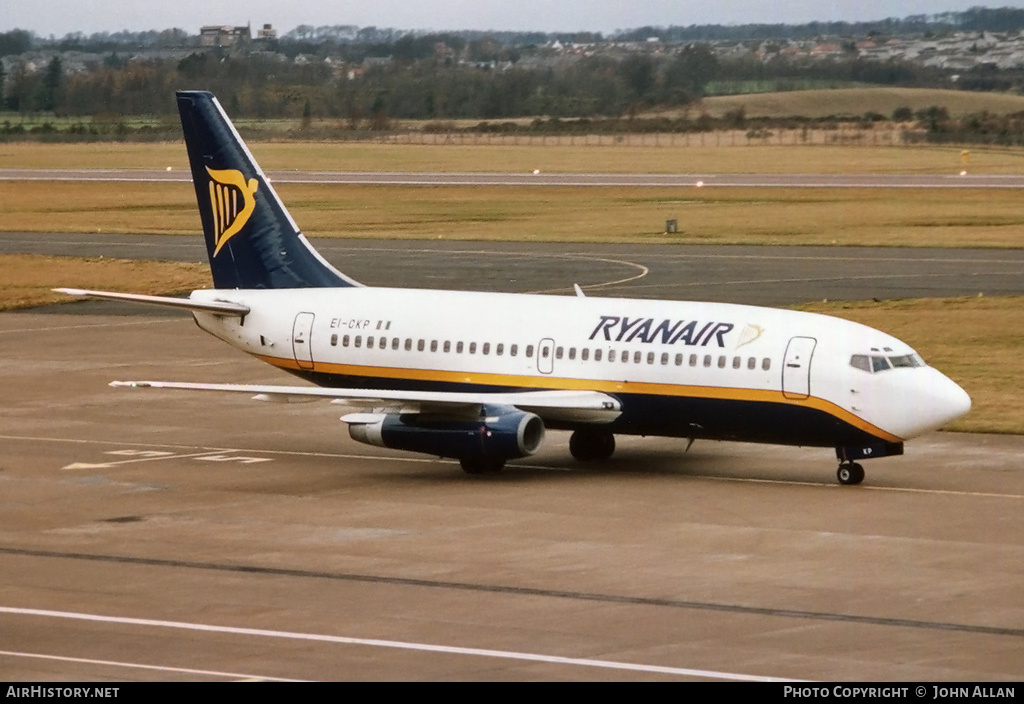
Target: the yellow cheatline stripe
(622, 387)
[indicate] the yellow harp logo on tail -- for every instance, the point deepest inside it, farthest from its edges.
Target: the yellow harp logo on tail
(232, 200)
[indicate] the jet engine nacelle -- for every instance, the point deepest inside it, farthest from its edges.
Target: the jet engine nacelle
(500, 433)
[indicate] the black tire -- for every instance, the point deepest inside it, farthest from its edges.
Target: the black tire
(481, 465)
(588, 445)
(850, 474)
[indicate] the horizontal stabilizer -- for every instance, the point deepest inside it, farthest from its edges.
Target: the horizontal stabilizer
(215, 307)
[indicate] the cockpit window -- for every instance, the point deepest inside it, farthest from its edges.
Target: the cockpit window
(861, 361)
(878, 363)
(907, 360)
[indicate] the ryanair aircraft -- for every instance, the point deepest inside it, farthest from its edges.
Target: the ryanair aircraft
(481, 376)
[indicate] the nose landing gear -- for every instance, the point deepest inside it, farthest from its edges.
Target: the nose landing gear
(850, 473)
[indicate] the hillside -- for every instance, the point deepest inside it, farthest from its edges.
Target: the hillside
(857, 101)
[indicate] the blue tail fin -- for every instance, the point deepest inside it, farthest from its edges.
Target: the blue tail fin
(251, 239)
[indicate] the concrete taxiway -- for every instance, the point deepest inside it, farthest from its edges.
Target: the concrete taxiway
(155, 535)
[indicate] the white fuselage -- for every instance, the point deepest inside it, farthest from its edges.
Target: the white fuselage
(681, 368)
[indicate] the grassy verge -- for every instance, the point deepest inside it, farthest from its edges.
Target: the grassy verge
(28, 278)
(881, 217)
(708, 154)
(857, 101)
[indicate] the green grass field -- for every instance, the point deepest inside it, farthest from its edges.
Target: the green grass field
(557, 157)
(843, 217)
(29, 278)
(858, 101)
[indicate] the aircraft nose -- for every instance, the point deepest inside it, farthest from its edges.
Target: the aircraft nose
(940, 400)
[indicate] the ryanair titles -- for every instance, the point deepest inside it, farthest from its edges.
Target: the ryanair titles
(614, 328)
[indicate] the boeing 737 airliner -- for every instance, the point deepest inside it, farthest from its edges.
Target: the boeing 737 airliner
(481, 376)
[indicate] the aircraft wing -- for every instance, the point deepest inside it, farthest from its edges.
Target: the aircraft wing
(552, 405)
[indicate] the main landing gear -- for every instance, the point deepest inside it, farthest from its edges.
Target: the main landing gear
(589, 445)
(850, 473)
(481, 465)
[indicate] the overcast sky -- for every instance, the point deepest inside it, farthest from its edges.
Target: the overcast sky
(59, 17)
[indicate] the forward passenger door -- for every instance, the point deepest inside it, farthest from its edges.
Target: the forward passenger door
(796, 368)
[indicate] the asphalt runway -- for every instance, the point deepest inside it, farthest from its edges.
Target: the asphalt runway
(172, 536)
(770, 276)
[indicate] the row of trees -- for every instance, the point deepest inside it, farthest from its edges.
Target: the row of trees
(436, 86)
(263, 86)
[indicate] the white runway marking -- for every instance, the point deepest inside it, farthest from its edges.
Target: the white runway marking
(431, 460)
(92, 325)
(140, 666)
(644, 271)
(152, 456)
(400, 645)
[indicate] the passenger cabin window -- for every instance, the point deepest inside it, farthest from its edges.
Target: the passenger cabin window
(513, 350)
(529, 351)
(334, 340)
